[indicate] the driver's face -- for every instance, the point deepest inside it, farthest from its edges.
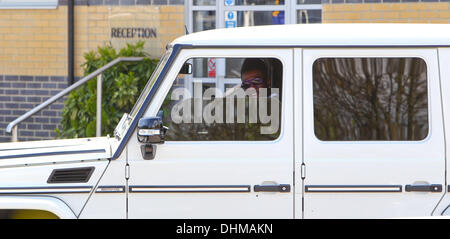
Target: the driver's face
(253, 79)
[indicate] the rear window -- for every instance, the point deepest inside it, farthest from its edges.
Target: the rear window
(370, 99)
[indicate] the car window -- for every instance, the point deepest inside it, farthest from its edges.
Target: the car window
(370, 99)
(225, 99)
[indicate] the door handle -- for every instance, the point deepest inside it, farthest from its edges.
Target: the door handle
(424, 188)
(282, 188)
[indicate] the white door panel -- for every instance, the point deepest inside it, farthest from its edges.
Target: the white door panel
(367, 179)
(215, 179)
(444, 59)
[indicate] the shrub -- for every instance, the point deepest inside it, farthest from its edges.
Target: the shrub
(122, 85)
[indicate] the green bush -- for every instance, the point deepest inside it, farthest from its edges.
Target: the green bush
(122, 85)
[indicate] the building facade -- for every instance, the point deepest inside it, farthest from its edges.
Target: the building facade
(34, 56)
(34, 38)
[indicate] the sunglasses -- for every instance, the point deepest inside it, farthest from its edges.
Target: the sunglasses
(252, 83)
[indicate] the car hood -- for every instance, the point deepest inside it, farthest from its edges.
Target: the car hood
(55, 151)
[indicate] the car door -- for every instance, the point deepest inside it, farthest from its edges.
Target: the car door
(216, 170)
(373, 133)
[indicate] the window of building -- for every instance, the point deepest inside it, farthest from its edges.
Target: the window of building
(370, 99)
(204, 15)
(204, 2)
(28, 4)
(209, 106)
(259, 2)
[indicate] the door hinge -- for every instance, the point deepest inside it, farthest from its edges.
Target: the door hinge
(127, 171)
(303, 171)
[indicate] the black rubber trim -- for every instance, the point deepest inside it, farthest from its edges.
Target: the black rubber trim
(50, 190)
(434, 188)
(183, 189)
(53, 153)
(282, 188)
(348, 188)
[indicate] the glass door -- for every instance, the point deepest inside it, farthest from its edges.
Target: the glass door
(201, 15)
(308, 11)
(245, 13)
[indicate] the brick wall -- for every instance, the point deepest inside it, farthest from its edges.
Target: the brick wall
(420, 12)
(33, 51)
(33, 42)
(18, 94)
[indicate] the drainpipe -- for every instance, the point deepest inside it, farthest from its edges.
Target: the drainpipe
(70, 37)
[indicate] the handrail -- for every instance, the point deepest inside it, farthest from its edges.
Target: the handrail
(54, 98)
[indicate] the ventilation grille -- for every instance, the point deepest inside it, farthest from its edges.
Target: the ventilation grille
(71, 175)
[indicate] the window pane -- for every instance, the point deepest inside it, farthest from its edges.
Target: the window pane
(309, 1)
(204, 20)
(232, 67)
(258, 2)
(204, 106)
(204, 2)
(259, 18)
(309, 16)
(370, 99)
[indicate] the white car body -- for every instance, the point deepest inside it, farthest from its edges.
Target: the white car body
(217, 179)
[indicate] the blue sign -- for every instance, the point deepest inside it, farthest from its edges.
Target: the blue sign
(229, 2)
(230, 24)
(230, 19)
(230, 15)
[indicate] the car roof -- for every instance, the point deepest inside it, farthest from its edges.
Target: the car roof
(319, 35)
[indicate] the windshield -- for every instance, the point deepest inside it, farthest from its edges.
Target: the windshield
(124, 123)
(150, 84)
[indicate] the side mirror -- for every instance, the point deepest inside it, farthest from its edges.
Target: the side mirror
(150, 132)
(186, 69)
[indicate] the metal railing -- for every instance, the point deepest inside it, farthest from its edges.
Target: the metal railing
(12, 127)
